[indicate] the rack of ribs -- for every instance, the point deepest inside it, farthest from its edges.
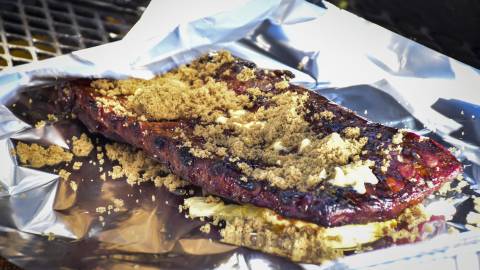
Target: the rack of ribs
(250, 136)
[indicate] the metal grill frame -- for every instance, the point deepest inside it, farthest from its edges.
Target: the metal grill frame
(32, 30)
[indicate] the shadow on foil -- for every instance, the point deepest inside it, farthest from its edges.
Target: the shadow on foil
(463, 113)
(373, 104)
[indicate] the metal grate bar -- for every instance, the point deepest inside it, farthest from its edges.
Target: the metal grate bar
(32, 30)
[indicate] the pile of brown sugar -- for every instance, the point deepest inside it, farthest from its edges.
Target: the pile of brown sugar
(267, 126)
(81, 147)
(133, 164)
(262, 229)
(38, 156)
(137, 167)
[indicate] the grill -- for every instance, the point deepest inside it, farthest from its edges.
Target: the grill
(32, 30)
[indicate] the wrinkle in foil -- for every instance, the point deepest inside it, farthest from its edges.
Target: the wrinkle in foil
(380, 75)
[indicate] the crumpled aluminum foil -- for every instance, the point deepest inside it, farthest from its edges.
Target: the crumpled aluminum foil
(381, 75)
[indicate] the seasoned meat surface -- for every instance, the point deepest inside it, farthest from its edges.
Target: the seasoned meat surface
(315, 161)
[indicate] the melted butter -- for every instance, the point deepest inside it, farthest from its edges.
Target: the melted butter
(221, 120)
(237, 113)
(355, 176)
(334, 141)
(278, 146)
(260, 124)
(304, 144)
(323, 174)
(342, 237)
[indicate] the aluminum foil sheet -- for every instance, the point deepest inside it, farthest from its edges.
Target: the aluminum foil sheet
(378, 74)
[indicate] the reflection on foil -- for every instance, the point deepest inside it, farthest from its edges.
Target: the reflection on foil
(143, 231)
(411, 60)
(373, 104)
(270, 39)
(9, 123)
(464, 113)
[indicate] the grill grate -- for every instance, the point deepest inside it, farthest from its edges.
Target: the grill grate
(32, 30)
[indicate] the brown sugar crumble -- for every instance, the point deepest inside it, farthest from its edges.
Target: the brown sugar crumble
(100, 159)
(137, 167)
(52, 118)
(171, 182)
(352, 132)
(64, 174)
(276, 133)
(40, 124)
(50, 236)
(326, 115)
(116, 205)
(282, 85)
(262, 229)
(116, 172)
(82, 146)
(101, 209)
(205, 228)
(38, 156)
(168, 98)
(397, 138)
(246, 74)
(77, 165)
(73, 185)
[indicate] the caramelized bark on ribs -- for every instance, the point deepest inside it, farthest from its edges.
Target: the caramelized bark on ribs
(416, 168)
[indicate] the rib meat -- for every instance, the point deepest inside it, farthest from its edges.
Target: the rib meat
(423, 167)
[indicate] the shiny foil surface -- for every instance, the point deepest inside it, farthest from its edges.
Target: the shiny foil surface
(47, 224)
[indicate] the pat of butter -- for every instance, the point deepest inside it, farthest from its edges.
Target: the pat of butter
(278, 146)
(323, 174)
(305, 143)
(250, 124)
(333, 141)
(237, 113)
(355, 176)
(397, 138)
(342, 237)
(221, 120)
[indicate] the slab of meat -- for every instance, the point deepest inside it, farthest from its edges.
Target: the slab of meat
(408, 167)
